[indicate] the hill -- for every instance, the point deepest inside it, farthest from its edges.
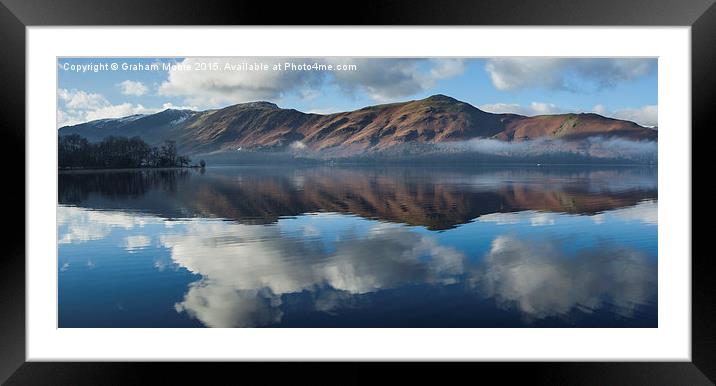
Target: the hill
(263, 126)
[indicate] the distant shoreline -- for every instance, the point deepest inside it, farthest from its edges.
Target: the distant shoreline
(375, 165)
(129, 168)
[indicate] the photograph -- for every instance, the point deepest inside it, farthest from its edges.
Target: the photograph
(357, 192)
(230, 190)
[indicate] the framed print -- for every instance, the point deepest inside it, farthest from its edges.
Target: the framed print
(502, 183)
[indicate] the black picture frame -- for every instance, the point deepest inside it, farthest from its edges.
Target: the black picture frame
(16, 15)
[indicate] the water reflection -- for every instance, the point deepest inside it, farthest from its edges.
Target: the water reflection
(325, 247)
(264, 263)
(437, 198)
(247, 273)
(542, 281)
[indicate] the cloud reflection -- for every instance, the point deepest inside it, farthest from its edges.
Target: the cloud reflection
(646, 212)
(259, 264)
(534, 218)
(76, 225)
(218, 305)
(541, 280)
(246, 270)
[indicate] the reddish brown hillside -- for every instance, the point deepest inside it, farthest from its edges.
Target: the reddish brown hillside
(435, 119)
(573, 126)
(263, 125)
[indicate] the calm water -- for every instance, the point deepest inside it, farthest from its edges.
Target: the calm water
(359, 247)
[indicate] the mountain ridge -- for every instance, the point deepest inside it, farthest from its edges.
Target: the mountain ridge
(264, 126)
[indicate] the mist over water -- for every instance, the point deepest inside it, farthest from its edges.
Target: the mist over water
(487, 151)
(597, 147)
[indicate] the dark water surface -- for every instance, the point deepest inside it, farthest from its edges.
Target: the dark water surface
(359, 247)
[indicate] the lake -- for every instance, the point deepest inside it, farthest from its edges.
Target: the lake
(518, 246)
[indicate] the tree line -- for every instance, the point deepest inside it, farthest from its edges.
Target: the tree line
(75, 151)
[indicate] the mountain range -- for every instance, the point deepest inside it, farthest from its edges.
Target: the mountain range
(263, 126)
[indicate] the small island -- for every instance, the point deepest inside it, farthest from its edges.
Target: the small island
(114, 152)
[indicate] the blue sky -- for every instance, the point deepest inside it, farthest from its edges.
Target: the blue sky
(90, 88)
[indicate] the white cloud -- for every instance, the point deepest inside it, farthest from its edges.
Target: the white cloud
(390, 79)
(117, 111)
(542, 108)
(447, 68)
(380, 79)
(221, 87)
(534, 108)
(600, 109)
(323, 110)
(81, 100)
(645, 115)
(310, 94)
(130, 87)
(63, 119)
(565, 73)
(169, 105)
(78, 106)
